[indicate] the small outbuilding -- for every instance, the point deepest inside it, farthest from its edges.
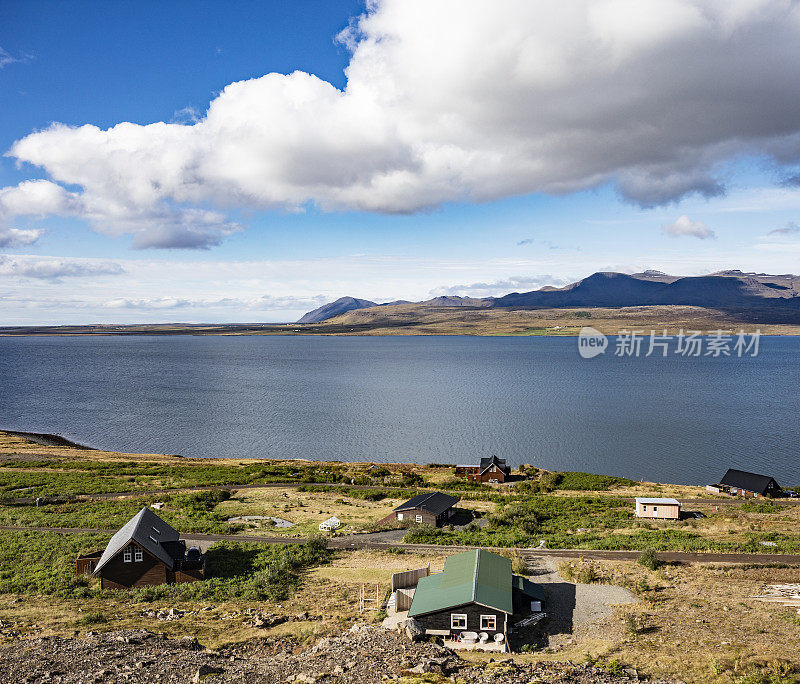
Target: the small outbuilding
(145, 551)
(659, 508)
(432, 508)
(742, 483)
(490, 470)
(331, 524)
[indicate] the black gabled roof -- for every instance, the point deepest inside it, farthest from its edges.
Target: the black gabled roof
(493, 460)
(433, 502)
(751, 482)
(147, 530)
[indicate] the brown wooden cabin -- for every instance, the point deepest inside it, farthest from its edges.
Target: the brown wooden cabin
(433, 508)
(742, 483)
(490, 469)
(145, 551)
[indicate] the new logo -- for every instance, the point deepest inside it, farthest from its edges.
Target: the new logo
(591, 342)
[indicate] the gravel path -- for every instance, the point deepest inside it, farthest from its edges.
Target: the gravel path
(575, 611)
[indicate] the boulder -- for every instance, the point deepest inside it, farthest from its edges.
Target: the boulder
(413, 629)
(190, 643)
(205, 671)
(435, 665)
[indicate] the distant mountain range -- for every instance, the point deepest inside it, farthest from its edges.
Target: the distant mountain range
(729, 290)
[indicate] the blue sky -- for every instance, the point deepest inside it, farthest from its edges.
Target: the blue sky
(460, 153)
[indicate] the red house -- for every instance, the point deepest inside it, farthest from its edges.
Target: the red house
(491, 469)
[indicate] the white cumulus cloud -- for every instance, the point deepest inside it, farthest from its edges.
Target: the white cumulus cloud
(54, 268)
(18, 237)
(499, 287)
(454, 100)
(684, 226)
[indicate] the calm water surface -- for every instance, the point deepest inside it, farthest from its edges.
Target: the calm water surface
(425, 399)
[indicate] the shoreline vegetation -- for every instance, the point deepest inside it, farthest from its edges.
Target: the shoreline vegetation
(95, 489)
(407, 319)
(295, 594)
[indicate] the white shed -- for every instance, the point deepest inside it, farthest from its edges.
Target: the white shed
(330, 524)
(660, 508)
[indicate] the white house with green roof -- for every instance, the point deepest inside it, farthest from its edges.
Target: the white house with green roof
(475, 598)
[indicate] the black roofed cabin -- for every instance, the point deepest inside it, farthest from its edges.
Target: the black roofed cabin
(145, 551)
(491, 469)
(432, 508)
(746, 484)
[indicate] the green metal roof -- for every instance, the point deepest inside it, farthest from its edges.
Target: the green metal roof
(476, 576)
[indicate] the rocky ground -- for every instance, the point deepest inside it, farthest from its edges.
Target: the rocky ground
(362, 655)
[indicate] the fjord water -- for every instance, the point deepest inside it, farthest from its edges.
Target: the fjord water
(423, 399)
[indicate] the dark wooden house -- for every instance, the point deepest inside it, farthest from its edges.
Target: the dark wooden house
(144, 551)
(476, 593)
(433, 508)
(742, 483)
(491, 469)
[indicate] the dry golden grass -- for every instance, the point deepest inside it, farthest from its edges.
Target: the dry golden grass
(693, 623)
(361, 567)
(308, 509)
(305, 509)
(654, 489)
(13, 446)
(328, 593)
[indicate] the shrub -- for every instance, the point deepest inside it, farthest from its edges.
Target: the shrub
(761, 507)
(412, 480)
(92, 618)
(648, 559)
(519, 566)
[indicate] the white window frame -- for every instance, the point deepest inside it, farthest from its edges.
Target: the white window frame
(138, 555)
(399, 516)
(418, 519)
(488, 623)
(458, 620)
(127, 555)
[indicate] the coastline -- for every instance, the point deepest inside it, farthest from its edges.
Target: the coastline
(49, 439)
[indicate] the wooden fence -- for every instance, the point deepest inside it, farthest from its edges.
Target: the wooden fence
(409, 578)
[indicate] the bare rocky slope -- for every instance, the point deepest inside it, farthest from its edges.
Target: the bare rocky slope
(340, 306)
(362, 655)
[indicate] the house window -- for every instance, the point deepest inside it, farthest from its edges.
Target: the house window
(399, 516)
(488, 623)
(138, 556)
(458, 621)
(418, 518)
(644, 507)
(655, 509)
(127, 556)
